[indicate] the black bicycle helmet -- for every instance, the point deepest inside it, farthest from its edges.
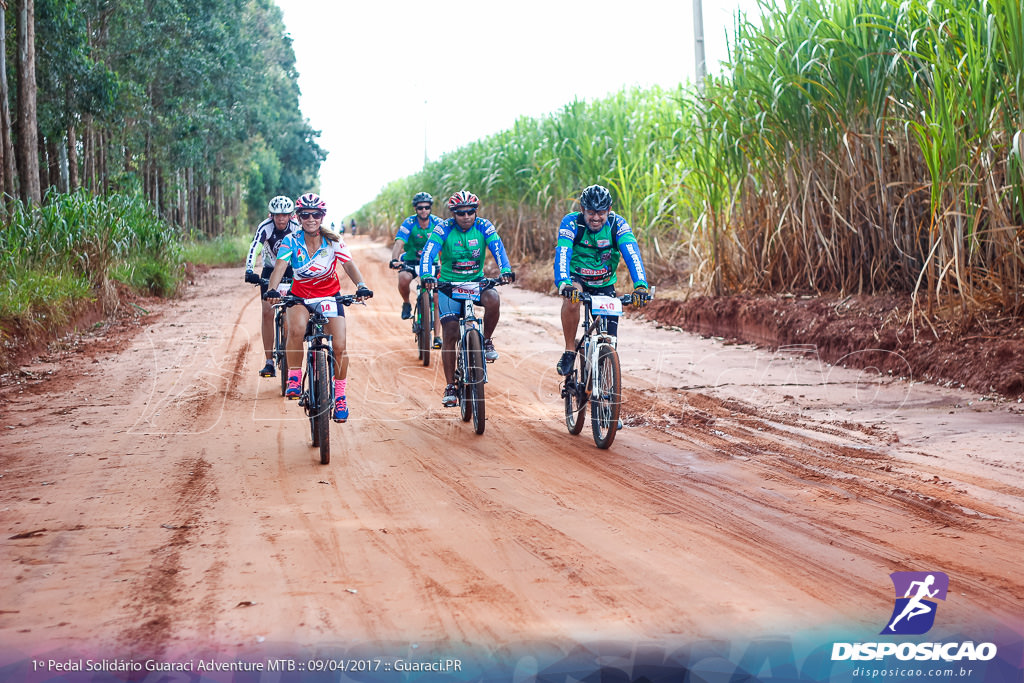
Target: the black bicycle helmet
(596, 198)
(422, 198)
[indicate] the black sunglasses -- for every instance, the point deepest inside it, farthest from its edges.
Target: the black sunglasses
(423, 208)
(309, 214)
(467, 212)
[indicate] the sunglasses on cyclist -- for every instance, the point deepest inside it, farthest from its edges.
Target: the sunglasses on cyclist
(303, 215)
(466, 212)
(423, 208)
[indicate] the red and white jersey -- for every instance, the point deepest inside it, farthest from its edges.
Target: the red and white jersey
(314, 275)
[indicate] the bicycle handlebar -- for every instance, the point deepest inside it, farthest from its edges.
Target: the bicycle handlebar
(485, 284)
(584, 297)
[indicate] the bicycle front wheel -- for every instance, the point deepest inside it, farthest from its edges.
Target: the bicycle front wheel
(606, 401)
(426, 320)
(475, 379)
(575, 395)
(322, 406)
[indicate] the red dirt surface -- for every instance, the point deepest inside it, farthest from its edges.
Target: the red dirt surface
(863, 332)
(159, 499)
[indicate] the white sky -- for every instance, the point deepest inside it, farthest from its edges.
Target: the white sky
(386, 80)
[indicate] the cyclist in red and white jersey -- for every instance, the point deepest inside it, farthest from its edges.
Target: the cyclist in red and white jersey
(314, 254)
(278, 225)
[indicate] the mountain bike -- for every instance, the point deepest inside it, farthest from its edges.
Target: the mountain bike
(470, 366)
(317, 397)
(426, 308)
(277, 354)
(277, 350)
(596, 378)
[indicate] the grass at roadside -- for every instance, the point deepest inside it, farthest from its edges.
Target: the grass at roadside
(226, 250)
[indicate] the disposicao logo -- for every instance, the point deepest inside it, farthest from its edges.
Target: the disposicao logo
(913, 614)
(916, 595)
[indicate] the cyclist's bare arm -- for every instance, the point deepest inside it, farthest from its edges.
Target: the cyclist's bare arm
(277, 275)
(397, 250)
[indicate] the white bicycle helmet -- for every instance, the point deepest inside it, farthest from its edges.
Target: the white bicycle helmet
(281, 204)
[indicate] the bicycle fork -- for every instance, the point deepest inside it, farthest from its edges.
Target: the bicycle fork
(467, 325)
(308, 398)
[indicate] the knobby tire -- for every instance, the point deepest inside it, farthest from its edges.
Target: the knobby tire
(575, 395)
(324, 410)
(279, 355)
(426, 320)
(307, 395)
(462, 380)
(475, 379)
(605, 403)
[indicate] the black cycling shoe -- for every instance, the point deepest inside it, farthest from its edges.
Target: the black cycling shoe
(268, 370)
(565, 364)
(406, 311)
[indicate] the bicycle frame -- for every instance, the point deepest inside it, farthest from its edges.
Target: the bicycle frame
(317, 398)
(469, 320)
(599, 381)
(469, 382)
(595, 335)
(422, 320)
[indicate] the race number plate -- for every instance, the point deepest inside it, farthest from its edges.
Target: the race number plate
(327, 304)
(466, 291)
(605, 305)
(284, 288)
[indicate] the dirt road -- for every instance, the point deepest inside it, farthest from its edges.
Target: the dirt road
(158, 498)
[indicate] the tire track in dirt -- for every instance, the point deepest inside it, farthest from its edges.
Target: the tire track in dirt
(159, 591)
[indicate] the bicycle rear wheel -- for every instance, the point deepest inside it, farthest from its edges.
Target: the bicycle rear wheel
(323, 409)
(475, 379)
(605, 403)
(462, 382)
(279, 356)
(307, 400)
(426, 320)
(575, 395)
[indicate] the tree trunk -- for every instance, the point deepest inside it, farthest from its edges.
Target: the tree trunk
(53, 164)
(28, 134)
(9, 186)
(72, 159)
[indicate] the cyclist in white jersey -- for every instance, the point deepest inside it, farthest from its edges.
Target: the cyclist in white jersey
(314, 254)
(278, 225)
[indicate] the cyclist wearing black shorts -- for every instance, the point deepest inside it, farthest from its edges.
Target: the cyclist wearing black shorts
(409, 242)
(590, 243)
(275, 227)
(462, 243)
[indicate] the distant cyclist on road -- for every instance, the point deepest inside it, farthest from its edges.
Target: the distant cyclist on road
(587, 253)
(314, 253)
(460, 241)
(412, 236)
(278, 225)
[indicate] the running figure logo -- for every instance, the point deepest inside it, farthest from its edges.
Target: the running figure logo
(916, 592)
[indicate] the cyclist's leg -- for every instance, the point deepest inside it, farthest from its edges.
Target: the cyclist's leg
(336, 327)
(404, 280)
(297, 317)
(267, 313)
(449, 312)
(570, 323)
(491, 301)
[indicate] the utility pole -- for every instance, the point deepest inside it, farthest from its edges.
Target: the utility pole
(698, 44)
